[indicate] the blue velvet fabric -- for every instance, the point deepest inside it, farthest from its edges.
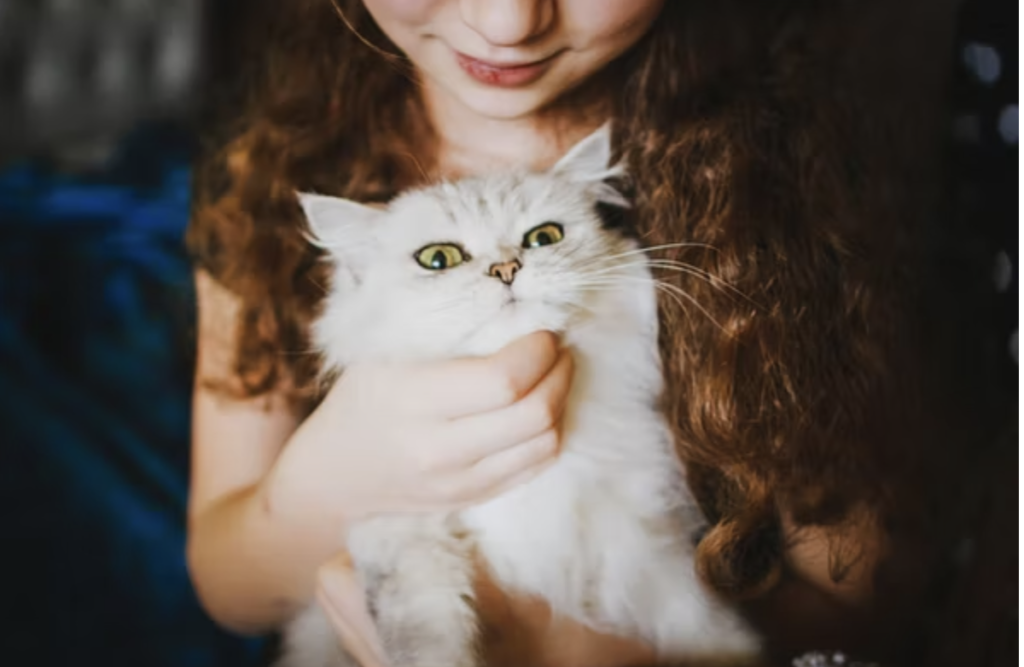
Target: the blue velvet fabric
(95, 372)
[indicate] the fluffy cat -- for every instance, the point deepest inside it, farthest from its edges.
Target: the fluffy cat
(604, 534)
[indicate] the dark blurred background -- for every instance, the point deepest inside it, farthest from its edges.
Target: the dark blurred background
(100, 107)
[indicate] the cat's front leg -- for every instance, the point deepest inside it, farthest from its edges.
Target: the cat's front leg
(423, 602)
(685, 621)
(310, 640)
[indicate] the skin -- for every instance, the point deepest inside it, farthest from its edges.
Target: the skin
(271, 496)
(483, 126)
(254, 461)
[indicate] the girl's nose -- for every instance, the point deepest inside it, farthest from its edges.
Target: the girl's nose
(508, 22)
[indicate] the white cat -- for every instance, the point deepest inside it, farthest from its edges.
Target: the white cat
(605, 534)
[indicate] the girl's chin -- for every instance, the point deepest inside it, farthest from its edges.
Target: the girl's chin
(501, 103)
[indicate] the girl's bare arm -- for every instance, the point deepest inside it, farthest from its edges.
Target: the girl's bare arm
(271, 497)
(250, 567)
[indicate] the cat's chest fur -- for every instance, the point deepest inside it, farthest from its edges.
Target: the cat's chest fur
(616, 475)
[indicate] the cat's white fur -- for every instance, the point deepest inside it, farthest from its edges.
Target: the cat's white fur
(605, 534)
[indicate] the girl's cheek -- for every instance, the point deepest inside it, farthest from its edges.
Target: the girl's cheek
(412, 13)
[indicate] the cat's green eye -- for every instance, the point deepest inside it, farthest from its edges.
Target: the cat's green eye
(542, 235)
(440, 256)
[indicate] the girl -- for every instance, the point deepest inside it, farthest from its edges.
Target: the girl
(799, 405)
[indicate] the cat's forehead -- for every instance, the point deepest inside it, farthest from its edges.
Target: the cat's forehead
(501, 202)
(489, 197)
(496, 194)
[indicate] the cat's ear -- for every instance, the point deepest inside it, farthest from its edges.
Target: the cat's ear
(589, 162)
(337, 224)
(590, 159)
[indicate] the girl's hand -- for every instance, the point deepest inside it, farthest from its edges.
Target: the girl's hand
(529, 633)
(425, 437)
(344, 602)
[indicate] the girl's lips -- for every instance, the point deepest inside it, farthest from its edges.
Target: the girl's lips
(503, 75)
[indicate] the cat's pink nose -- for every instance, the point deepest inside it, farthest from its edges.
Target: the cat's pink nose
(505, 271)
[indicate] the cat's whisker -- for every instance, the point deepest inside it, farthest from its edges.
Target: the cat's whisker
(615, 267)
(611, 282)
(644, 251)
(710, 278)
(675, 298)
(609, 286)
(681, 267)
(664, 246)
(656, 262)
(673, 291)
(448, 304)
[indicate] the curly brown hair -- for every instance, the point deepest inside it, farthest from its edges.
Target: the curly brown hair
(763, 130)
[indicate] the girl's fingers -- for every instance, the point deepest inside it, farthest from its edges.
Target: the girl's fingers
(352, 642)
(516, 480)
(453, 389)
(344, 603)
(477, 438)
(506, 469)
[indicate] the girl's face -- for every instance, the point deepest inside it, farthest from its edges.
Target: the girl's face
(506, 59)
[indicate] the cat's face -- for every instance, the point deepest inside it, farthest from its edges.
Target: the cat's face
(465, 267)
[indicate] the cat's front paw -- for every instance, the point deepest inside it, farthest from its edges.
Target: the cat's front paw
(445, 637)
(722, 639)
(424, 647)
(434, 656)
(732, 646)
(727, 649)
(311, 641)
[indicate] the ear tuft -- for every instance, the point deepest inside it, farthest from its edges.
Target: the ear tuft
(589, 160)
(335, 223)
